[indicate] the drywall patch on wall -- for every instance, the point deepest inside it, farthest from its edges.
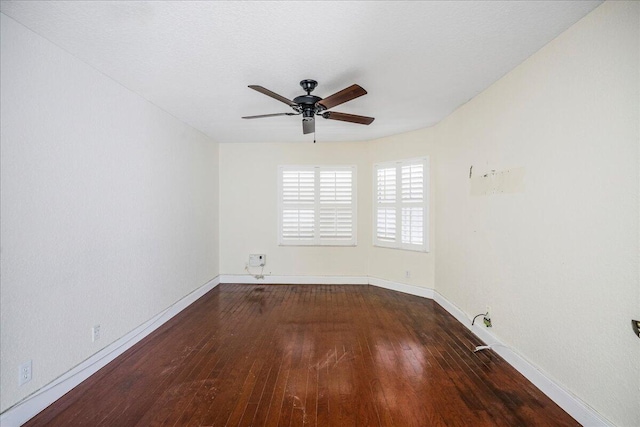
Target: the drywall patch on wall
(496, 182)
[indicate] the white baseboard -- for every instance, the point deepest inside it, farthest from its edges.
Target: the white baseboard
(32, 405)
(570, 403)
(35, 403)
(294, 280)
(401, 287)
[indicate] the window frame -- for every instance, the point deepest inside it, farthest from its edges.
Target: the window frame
(317, 205)
(398, 204)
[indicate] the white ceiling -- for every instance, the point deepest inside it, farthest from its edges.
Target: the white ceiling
(419, 61)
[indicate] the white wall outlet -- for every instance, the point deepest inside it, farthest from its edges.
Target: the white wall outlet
(24, 372)
(407, 274)
(257, 260)
(95, 333)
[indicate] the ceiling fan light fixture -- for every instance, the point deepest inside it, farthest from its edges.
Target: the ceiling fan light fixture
(310, 105)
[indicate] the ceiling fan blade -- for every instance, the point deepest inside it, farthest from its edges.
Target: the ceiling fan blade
(343, 96)
(353, 118)
(269, 115)
(308, 125)
(273, 95)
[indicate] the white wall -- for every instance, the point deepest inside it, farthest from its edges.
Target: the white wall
(109, 209)
(249, 209)
(557, 261)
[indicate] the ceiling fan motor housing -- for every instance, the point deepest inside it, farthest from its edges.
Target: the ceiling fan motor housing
(307, 104)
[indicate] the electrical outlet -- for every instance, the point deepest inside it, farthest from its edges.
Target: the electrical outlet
(257, 260)
(487, 317)
(24, 372)
(407, 274)
(487, 321)
(95, 333)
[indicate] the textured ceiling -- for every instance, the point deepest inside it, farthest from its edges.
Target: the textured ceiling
(419, 61)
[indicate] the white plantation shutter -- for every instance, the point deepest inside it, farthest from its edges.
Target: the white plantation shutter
(386, 185)
(386, 224)
(298, 215)
(336, 199)
(413, 182)
(298, 224)
(412, 187)
(412, 225)
(298, 187)
(401, 208)
(386, 204)
(317, 205)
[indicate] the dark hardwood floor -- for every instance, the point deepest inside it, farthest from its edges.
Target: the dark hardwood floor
(284, 355)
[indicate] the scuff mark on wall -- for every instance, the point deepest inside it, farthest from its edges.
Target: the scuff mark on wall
(497, 182)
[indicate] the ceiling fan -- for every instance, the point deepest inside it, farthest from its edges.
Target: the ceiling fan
(310, 106)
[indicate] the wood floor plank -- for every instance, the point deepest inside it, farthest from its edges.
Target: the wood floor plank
(306, 355)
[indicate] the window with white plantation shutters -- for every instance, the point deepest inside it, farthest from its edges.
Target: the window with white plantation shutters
(317, 205)
(401, 204)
